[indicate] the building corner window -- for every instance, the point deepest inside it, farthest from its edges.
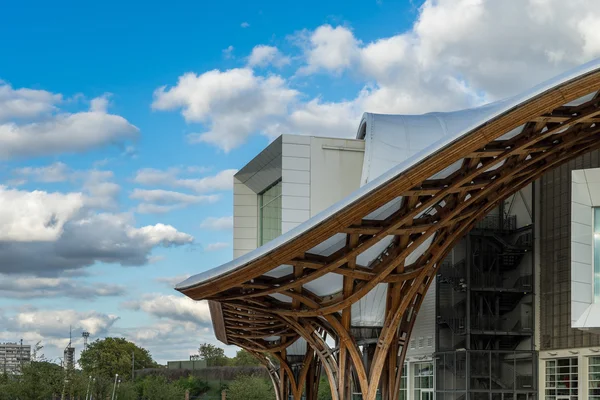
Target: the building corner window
(269, 214)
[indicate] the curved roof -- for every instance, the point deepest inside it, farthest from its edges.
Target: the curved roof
(426, 179)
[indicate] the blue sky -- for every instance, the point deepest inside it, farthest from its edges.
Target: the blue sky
(122, 124)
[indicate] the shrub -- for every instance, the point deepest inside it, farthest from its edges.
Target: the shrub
(195, 385)
(250, 388)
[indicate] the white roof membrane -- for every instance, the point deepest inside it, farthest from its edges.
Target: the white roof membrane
(394, 144)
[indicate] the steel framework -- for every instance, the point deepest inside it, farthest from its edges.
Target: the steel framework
(548, 130)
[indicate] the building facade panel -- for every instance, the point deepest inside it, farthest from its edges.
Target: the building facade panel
(558, 252)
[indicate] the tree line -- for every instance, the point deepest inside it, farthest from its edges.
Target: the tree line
(107, 365)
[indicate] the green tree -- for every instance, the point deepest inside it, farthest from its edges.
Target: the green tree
(195, 385)
(324, 389)
(250, 388)
(158, 388)
(39, 380)
(128, 391)
(107, 357)
(213, 355)
(244, 359)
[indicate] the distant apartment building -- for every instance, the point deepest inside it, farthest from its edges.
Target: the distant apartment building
(13, 356)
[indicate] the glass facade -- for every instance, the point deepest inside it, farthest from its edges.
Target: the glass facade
(423, 381)
(269, 215)
(594, 378)
(562, 379)
(403, 382)
(596, 255)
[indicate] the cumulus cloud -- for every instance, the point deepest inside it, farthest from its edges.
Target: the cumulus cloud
(96, 185)
(330, 49)
(100, 192)
(27, 287)
(167, 197)
(25, 103)
(245, 25)
(223, 180)
(161, 201)
(233, 104)
(56, 172)
(263, 55)
(55, 323)
(59, 132)
(217, 223)
(153, 176)
(35, 216)
(454, 56)
(87, 239)
(216, 246)
(173, 307)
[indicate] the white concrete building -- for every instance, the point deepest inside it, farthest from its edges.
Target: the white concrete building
(295, 178)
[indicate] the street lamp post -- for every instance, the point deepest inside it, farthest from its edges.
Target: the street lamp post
(114, 387)
(87, 392)
(92, 391)
(117, 394)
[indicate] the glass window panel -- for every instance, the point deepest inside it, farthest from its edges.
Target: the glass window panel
(423, 380)
(403, 382)
(596, 255)
(562, 379)
(270, 214)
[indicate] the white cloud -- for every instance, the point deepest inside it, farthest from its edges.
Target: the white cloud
(173, 340)
(97, 186)
(25, 103)
(152, 176)
(173, 307)
(101, 192)
(28, 287)
(160, 201)
(454, 56)
(262, 56)
(233, 104)
(317, 118)
(228, 52)
(56, 172)
(159, 196)
(64, 133)
(216, 246)
(35, 216)
(245, 25)
(171, 281)
(223, 180)
(87, 239)
(55, 323)
(217, 223)
(330, 49)
(160, 235)
(100, 104)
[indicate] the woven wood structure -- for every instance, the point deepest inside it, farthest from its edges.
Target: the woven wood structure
(266, 301)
